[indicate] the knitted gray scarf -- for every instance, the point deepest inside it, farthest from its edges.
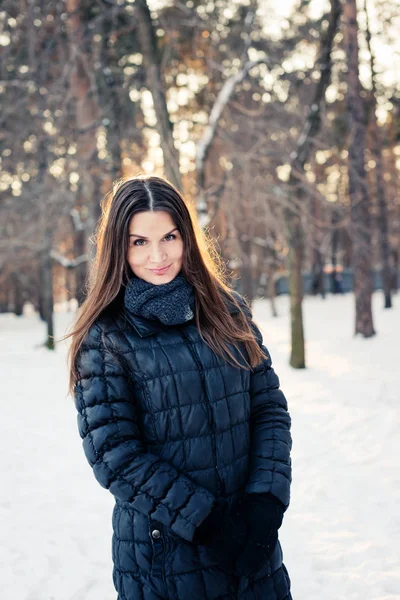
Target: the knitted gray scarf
(171, 303)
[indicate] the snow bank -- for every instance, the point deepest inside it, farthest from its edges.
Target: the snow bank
(341, 534)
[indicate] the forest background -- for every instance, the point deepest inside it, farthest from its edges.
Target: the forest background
(279, 121)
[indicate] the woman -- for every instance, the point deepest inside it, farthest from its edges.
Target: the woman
(179, 409)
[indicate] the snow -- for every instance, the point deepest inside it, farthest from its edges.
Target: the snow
(341, 534)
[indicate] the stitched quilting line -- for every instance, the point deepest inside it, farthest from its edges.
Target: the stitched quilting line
(273, 455)
(213, 401)
(143, 378)
(106, 384)
(171, 511)
(187, 439)
(128, 542)
(229, 414)
(115, 419)
(144, 349)
(79, 391)
(121, 330)
(205, 368)
(150, 472)
(176, 477)
(90, 377)
(196, 570)
(144, 387)
(167, 508)
(160, 410)
(145, 574)
(177, 397)
(190, 472)
(180, 508)
(210, 416)
(171, 580)
(228, 466)
(273, 422)
(115, 476)
(280, 441)
(237, 459)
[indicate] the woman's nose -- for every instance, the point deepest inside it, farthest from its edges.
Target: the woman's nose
(157, 254)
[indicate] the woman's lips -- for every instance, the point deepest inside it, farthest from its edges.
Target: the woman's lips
(160, 271)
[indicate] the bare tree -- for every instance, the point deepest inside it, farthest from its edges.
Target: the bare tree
(376, 151)
(360, 216)
(87, 115)
(299, 157)
(155, 83)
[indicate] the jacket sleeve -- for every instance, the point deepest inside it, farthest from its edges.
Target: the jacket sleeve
(108, 425)
(271, 442)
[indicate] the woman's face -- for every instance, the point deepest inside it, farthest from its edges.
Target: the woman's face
(154, 242)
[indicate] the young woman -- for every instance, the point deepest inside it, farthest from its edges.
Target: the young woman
(180, 410)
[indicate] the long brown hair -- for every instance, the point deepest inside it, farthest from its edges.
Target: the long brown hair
(201, 266)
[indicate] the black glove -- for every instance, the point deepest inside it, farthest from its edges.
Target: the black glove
(228, 545)
(212, 524)
(224, 532)
(264, 515)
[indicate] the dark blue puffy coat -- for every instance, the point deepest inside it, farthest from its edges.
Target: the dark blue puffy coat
(168, 426)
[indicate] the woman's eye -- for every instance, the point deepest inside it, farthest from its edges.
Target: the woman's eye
(168, 237)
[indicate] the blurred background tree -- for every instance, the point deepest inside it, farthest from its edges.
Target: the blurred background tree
(245, 108)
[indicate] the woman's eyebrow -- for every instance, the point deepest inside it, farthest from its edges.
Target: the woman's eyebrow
(145, 238)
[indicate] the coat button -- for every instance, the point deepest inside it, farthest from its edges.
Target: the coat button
(156, 534)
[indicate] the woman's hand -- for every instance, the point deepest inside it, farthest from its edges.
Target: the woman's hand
(224, 531)
(245, 535)
(263, 514)
(212, 525)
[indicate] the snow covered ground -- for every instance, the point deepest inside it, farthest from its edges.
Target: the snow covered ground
(341, 534)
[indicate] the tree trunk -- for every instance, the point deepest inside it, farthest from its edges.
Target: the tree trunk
(271, 290)
(376, 151)
(47, 289)
(155, 83)
(394, 281)
(87, 116)
(360, 218)
(110, 98)
(317, 286)
(296, 253)
(336, 286)
(18, 297)
(246, 271)
(80, 247)
(317, 267)
(293, 219)
(41, 302)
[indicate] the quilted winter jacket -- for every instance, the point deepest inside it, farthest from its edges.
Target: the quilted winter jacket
(168, 426)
